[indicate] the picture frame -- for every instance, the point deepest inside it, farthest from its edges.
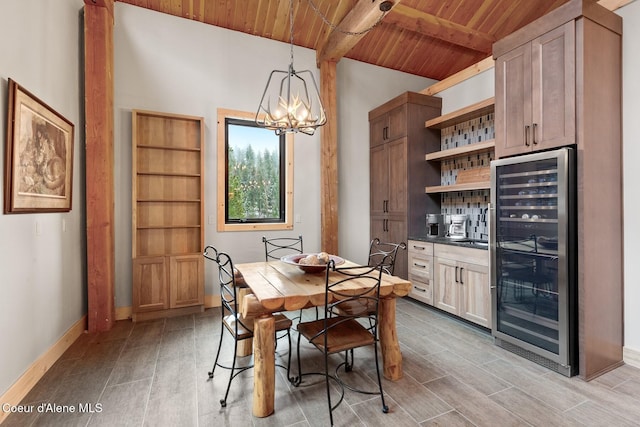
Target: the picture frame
(38, 156)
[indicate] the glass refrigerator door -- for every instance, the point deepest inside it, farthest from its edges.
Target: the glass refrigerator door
(530, 271)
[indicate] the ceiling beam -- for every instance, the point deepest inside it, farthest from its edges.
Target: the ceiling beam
(363, 15)
(430, 25)
(614, 4)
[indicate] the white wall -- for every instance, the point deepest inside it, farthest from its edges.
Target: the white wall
(361, 87)
(631, 153)
(42, 276)
(161, 64)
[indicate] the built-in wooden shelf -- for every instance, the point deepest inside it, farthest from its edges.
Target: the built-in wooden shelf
(470, 186)
(478, 147)
(462, 115)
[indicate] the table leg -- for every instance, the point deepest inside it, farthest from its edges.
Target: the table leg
(264, 371)
(391, 355)
(245, 347)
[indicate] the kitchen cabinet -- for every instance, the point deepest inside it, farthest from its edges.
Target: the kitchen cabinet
(461, 283)
(575, 98)
(421, 270)
(535, 94)
(167, 214)
(398, 141)
(389, 126)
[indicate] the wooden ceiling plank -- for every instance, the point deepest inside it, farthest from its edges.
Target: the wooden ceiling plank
(198, 10)
(438, 28)
(363, 15)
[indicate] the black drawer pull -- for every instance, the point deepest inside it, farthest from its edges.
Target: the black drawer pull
(419, 265)
(419, 289)
(422, 248)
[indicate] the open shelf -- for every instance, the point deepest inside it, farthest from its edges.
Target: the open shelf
(478, 147)
(462, 115)
(470, 186)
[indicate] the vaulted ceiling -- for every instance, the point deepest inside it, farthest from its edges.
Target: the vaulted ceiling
(429, 38)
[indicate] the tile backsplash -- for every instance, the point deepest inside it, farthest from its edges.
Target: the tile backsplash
(469, 132)
(473, 203)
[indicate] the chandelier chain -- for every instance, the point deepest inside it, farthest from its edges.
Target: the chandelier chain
(335, 27)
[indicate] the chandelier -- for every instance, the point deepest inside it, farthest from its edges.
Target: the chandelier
(291, 100)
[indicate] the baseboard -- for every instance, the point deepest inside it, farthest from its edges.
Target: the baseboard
(210, 301)
(123, 313)
(32, 375)
(631, 356)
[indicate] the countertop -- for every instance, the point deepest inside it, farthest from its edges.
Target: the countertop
(468, 243)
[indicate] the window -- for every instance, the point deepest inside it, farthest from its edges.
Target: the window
(255, 173)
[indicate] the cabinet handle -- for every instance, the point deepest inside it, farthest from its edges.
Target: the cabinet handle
(385, 206)
(419, 289)
(535, 126)
(419, 265)
(461, 282)
(384, 225)
(456, 277)
(526, 136)
(420, 248)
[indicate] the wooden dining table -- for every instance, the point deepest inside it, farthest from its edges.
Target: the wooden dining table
(277, 286)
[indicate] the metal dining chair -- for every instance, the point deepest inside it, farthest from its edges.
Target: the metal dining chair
(277, 247)
(233, 322)
(334, 334)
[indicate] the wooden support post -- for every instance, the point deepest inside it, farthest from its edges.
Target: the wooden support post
(98, 50)
(389, 346)
(329, 160)
(264, 362)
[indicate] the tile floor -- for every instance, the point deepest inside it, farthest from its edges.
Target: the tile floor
(155, 374)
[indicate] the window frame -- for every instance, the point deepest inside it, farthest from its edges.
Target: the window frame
(224, 114)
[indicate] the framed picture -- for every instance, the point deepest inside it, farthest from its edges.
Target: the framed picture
(38, 156)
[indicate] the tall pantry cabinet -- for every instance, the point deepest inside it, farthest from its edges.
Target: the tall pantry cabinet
(167, 214)
(398, 174)
(558, 83)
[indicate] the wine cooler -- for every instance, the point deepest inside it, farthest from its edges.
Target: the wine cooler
(533, 257)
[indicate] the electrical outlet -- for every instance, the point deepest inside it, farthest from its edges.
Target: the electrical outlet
(298, 218)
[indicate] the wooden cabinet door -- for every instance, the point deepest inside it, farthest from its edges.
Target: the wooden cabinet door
(393, 230)
(378, 130)
(150, 284)
(535, 94)
(397, 176)
(475, 304)
(446, 286)
(187, 287)
(513, 101)
(553, 122)
(378, 180)
(397, 233)
(378, 227)
(397, 123)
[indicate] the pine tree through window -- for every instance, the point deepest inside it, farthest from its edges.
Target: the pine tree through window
(255, 173)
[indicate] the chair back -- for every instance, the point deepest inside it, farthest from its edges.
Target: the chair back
(277, 247)
(227, 282)
(383, 255)
(347, 285)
